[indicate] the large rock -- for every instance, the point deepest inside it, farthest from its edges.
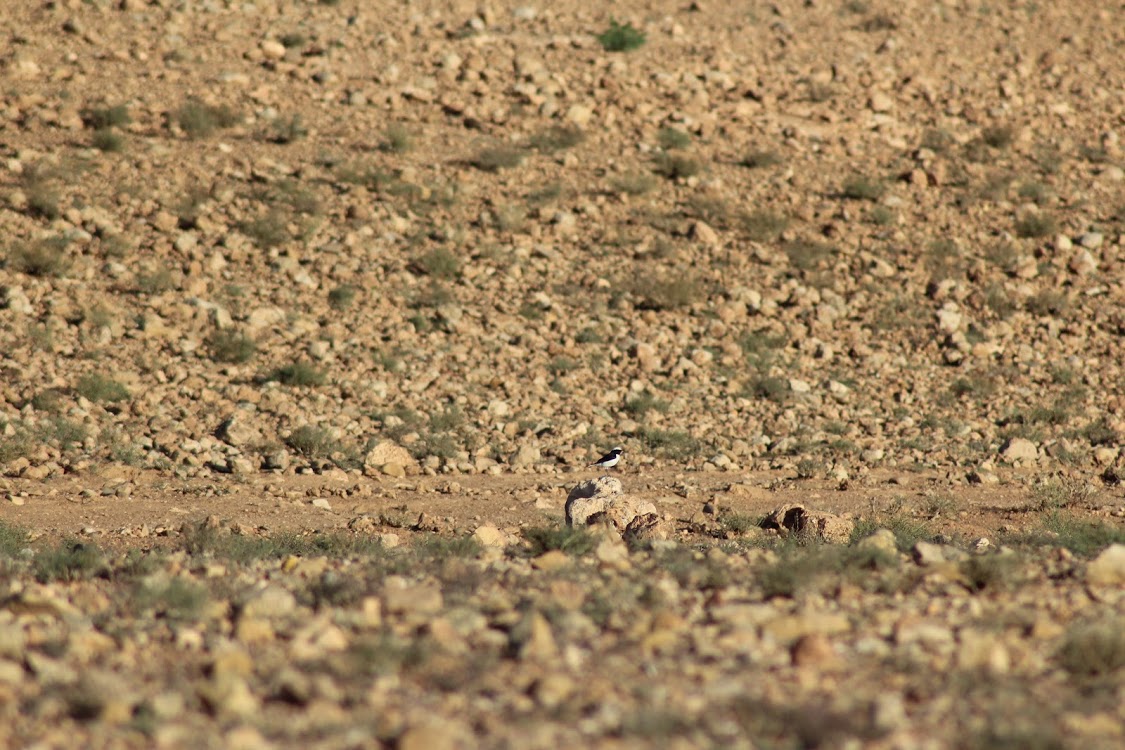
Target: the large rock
(387, 458)
(237, 432)
(794, 518)
(1018, 450)
(527, 455)
(1108, 568)
(603, 501)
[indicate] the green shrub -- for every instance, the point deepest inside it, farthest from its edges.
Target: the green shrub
(199, 120)
(673, 138)
(97, 387)
(634, 183)
(102, 118)
(70, 560)
(298, 374)
(341, 297)
(666, 293)
(676, 166)
(441, 263)
(312, 442)
(498, 157)
(397, 139)
(1035, 224)
(573, 541)
(861, 187)
(45, 257)
(108, 140)
(1093, 649)
(620, 38)
(557, 138)
(760, 159)
(231, 347)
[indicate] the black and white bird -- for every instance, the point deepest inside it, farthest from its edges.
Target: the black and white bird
(609, 460)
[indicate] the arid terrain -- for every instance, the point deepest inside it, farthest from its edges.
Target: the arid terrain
(312, 315)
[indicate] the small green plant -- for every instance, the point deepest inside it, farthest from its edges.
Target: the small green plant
(674, 444)
(672, 138)
(173, 598)
(244, 548)
(298, 374)
(97, 387)
(293, 39)
(102, 118)
(1084, 537)
(937, 140)
(287, 130)
(738, 523)
(70, 560)
(815, 567)
(1094, 649)
(907, 531)
(1047, 302)
(397, 139)
(45, 257)
(268, 230)
(19, 444)
(1100, 432)
(771, 388)
(198, 120)
(557, 138)
(155, 280)
(65, 432)
(312, 442)
(764, 226)
(998, 136)
(438, 548)
(634, 183)
(620, 38)
(760, 159)
(1056, 494)
(991, 572)
(496, 158)
(1036, 191)
(655, 292)
(13, 539)
(561, 365)
(676, 166)
(342, 297)
(108, 140)
(229, 346)
(573, 541)
(881, 216)
(1094, 153)
(878, 22)
(973, 385)
(808, 468)
(1034, 224)
(49, 400)
(639, 406)
(441, 263)
(807, 255)
(861, 187)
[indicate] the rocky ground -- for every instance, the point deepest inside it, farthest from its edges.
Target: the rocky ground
(311, 314)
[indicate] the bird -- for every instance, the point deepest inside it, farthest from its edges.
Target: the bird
(609, 460)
